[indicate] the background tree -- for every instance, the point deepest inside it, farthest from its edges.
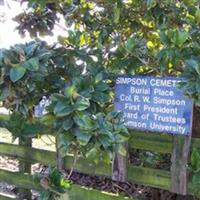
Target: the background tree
(127, 37)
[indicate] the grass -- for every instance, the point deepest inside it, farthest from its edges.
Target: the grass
(45, 142)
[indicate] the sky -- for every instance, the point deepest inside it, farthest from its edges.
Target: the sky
(8, 35)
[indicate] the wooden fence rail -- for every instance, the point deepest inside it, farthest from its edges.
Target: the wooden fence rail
(145, 176)
(136, 174)
(156, 178)
(75, 193)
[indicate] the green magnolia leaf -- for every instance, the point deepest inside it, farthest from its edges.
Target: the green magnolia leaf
(67, 124)
(84, 122)
(65, 183)
(164, 38)
(47, 119)
(105, 141)
(179, 38)
(98, 77)
(31, 130)
(193, 64)
(198, 86)
(196, 180)
(195, 161)
(197, 15)
(31, 48)
(100, 97)
(16, 73)
(82, 136)
(58, 97)
(45, 56)
(151, 3)
(64, 142)
(62, 109)
(81, 104)
(69, 91)
(4, 93)
(45, 195)
(117, 13)
(189, 2)
(102, 87)
(32, 64)
(130, 44)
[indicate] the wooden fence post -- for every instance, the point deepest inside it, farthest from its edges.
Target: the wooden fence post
(59, 157)
(119, 166)
(179, 161)
(25, 167)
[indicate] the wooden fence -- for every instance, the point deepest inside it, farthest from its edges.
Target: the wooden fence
(156, 178)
